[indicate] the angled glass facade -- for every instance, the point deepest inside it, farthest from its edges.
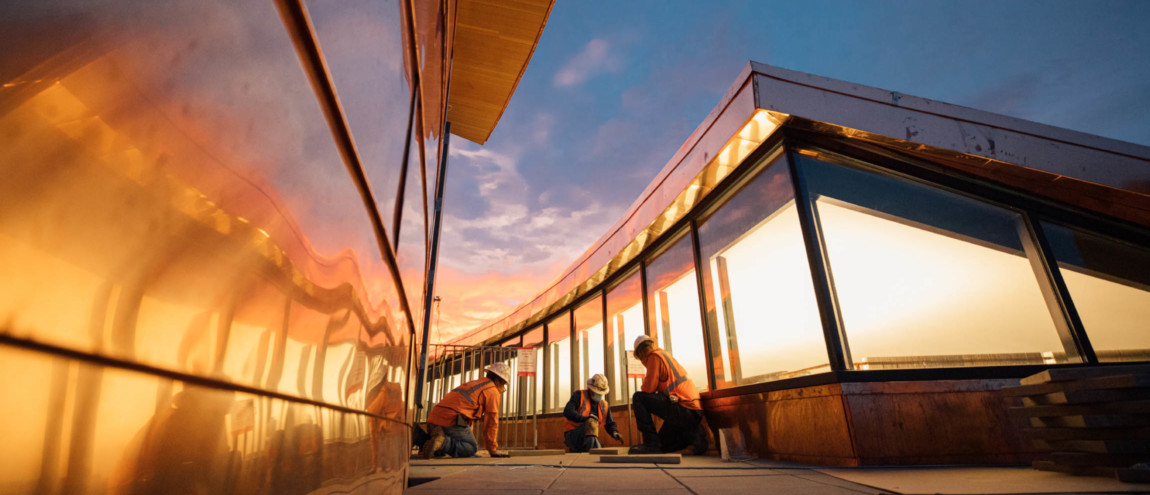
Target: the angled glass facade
(808, 261)
(761, 310)
(924, 277)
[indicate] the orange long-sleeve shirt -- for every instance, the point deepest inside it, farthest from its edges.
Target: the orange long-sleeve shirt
(660, 375)
(474, 399)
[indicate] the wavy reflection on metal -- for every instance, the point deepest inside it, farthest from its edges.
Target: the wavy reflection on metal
(191, 297)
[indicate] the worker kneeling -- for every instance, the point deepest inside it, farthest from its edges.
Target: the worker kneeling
(667, 393)
(450, 419)
(585, 413)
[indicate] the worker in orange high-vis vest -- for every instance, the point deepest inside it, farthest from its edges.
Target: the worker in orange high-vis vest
(668, 394)
(586, 411)
(450, 420)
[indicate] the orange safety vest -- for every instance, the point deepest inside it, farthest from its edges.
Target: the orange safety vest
(678, 384)
(461, 400)
(585, 410)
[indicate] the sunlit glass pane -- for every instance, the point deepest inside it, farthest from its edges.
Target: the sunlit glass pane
(927, 278)
(1110, 284)
(673, 298)
(760, 302)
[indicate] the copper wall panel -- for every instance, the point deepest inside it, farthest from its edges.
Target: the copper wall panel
(877, 423)
(807, 425)
(932, 423)
(116, 431)
(192, 293)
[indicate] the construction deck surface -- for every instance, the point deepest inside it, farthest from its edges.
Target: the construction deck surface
(583, 473)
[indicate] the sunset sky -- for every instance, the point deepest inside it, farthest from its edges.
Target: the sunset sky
(615, 87)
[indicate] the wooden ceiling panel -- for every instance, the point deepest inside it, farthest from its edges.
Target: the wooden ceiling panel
(494, 40)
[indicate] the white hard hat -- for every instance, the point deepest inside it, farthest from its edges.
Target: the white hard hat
(500, 370)
(598, 384)
(640, 340)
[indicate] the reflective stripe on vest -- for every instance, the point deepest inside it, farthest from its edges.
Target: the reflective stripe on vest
(585, 410)
(466, 393)
(679, 379)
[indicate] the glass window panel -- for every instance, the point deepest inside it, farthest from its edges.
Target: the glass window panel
(624, 324)
(559, 361)
(761, 308)
(533, 343)
(673, 312)
(927, 278)
(589, 342)
(1109, 282)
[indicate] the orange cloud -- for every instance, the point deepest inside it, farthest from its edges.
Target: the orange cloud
(469, 300)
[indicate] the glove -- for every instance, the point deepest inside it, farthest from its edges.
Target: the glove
(498, 454)
(617, 437)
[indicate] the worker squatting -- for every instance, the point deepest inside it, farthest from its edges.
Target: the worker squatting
(666, 392)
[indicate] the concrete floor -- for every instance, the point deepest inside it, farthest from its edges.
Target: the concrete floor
(583, 474)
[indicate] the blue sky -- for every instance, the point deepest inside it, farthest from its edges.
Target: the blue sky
(614, 88)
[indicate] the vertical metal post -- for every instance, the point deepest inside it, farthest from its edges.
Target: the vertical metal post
(665, 319)
(433, 259)
(442, 379)
(729, 320)
(627, 393)
(544, 367)
(1054, 290)
(710, 348)
(534, 384)
(837, 352)
(571, 340)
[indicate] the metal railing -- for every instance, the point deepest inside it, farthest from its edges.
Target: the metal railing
(451, 365)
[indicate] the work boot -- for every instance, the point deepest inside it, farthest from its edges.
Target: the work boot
(432, 445)
(700, 444)
(419, 436)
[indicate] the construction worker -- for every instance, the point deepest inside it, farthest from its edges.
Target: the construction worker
(667, 393)
(450, 419)
(585, 412)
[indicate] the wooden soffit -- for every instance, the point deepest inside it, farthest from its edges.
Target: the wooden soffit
(494, 40)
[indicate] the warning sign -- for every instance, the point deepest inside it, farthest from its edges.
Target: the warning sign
(526, 361)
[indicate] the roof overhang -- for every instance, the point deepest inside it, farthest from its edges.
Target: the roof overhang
(494, 40)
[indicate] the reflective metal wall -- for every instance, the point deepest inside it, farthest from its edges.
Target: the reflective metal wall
(193, 296)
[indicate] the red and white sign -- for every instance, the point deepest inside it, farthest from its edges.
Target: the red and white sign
(526, 361)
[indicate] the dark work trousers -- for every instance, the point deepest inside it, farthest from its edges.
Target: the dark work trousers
(679, 423)
(459, 442)
(578, 441)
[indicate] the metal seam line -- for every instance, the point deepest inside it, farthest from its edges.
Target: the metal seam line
(298, 24)
(111, 362)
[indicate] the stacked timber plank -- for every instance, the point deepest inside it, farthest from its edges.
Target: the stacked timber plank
(1091, 421)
